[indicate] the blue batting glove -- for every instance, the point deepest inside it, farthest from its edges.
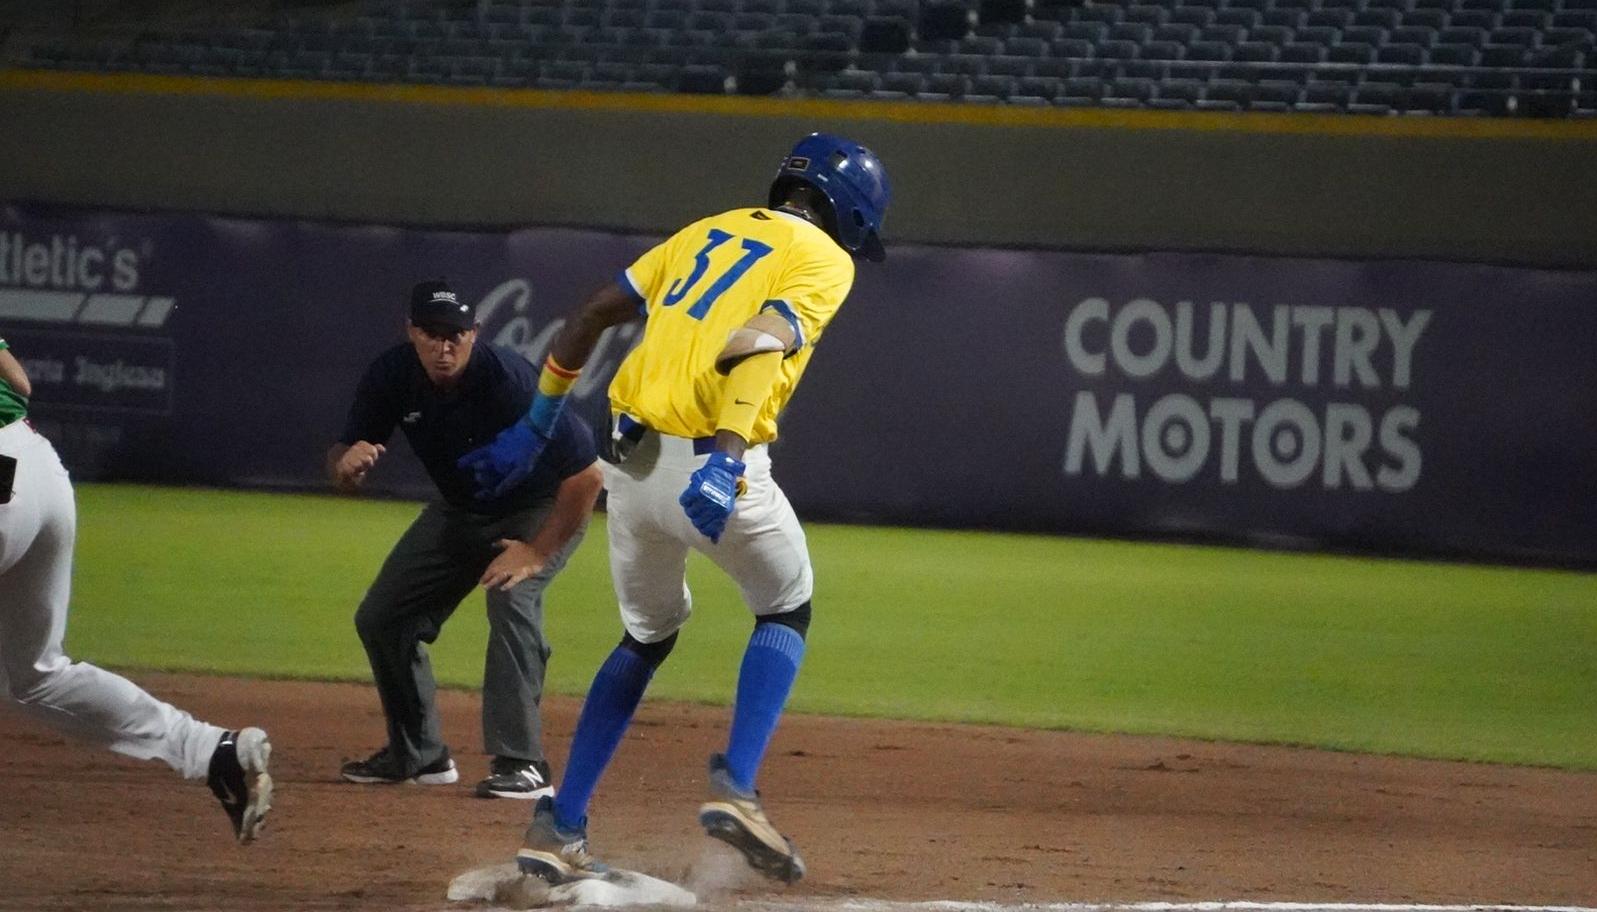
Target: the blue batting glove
(505, 462)
(712, 494)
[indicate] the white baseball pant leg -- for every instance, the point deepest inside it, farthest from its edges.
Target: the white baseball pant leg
(37, 530)
(763, 548)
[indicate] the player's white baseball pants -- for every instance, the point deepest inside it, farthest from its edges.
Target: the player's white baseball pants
(763, 548)
(37, 529)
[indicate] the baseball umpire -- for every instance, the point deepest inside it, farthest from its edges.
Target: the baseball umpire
(734, 305)
(451, 393)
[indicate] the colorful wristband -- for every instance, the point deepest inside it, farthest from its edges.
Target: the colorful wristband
(554, 383)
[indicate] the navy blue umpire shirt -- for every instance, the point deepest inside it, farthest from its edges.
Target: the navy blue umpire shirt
(494, 392)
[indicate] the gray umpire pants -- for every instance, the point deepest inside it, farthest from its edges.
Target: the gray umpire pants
(433, 567)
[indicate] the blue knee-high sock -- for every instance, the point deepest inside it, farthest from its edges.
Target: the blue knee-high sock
(770, 664)
(612, 699)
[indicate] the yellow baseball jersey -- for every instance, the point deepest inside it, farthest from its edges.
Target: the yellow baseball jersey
(703, 283)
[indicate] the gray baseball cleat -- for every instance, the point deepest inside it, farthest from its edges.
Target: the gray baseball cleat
(238, 778)
(735, 817)
(554, 854)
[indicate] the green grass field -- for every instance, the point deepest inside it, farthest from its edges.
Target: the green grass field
(1480, 663)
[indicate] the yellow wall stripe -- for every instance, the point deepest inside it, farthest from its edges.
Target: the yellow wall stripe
(809, 108)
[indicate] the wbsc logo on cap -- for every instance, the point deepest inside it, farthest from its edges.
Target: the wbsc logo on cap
(444, 296)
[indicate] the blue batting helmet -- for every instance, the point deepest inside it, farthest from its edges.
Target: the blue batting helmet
(852, 178)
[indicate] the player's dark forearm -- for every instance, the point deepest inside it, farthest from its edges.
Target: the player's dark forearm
(731, 443)
(609, 306)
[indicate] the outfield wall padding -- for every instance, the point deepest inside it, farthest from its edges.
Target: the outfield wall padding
(1396, 406)
(1478, 189)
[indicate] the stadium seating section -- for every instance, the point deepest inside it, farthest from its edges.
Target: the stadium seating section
(1435, 57)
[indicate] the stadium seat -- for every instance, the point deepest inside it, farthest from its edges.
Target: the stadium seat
(980, 45)
(1005, 65)
(1277, 91)
(1350, 53)
(1531, 19)
(1400, 55)
(1137, 89)
(1023, 47)
(1196, 16)
(944, 21)
(998, 87)
(1472, 19)
(1364, 34)
(839, 25)
(884, 36)
(795, 23)
(1108, 15)
(989, 11)
(1135, 32)
(949, 85)
(907, 83)
(1224, 34)
(921, 65)
(1254, 52)
(1285, 18)
(1315, 92)
(1462, 55)
(1235, 91)
(1328, 18)
(1082, 87)
(1427, 18)
(1054, 68)
(1045, 87)
(1208, 50)
(1117, 50)
(1378, 18)
(1072, 48)
(1151, 16)
(1162, 50)
(858, 80)
(963, 64)
(1499, 55)
(1185, 90)
(1039, 28)
(1435, 98)
(1241, 18)
(1176, 32)
(702, 80)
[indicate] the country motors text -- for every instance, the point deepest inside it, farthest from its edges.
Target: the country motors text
(1181, 436)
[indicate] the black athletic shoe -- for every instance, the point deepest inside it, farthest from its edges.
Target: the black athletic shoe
(512, 777)
(239, 780)
(381, 769)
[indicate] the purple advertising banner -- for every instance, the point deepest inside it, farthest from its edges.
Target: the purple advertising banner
(1403, 407)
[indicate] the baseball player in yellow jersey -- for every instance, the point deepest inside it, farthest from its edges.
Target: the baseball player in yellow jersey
(734, 305)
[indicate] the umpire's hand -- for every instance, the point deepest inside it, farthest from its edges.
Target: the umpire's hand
(516, 563)
(350, 470)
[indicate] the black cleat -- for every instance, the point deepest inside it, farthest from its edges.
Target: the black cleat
(512, 777)
(381, 769)
(238, 778)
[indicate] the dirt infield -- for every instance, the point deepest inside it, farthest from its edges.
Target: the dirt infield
(896, 811)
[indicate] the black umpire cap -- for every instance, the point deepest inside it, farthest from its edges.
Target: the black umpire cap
(433, 303)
